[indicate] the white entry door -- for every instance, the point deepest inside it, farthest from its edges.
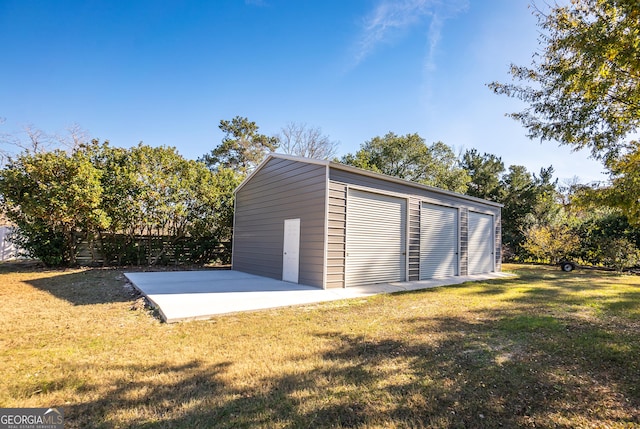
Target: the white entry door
(291, 250)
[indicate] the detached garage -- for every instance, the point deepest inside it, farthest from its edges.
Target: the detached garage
(325, 224)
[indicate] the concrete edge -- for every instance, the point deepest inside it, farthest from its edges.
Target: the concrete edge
(153, 304)
(357, 292)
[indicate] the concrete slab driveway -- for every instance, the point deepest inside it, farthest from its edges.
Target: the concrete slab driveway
(191, 295)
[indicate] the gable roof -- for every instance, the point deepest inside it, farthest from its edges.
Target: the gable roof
(362, 172)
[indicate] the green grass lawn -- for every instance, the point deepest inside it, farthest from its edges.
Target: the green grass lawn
(544, 349)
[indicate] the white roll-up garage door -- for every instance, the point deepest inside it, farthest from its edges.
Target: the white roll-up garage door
(480, 243)
(438, 241)
(376, 238)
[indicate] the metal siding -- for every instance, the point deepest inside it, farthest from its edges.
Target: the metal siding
(282, 189)
(464, 205)
(464, 242)
(336, 249)
(414, 239)
(376, 238)
(498, 245)
(425, 195)
(481, 243)
(438, 241)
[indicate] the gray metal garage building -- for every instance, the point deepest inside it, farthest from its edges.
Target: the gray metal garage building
(325, 224)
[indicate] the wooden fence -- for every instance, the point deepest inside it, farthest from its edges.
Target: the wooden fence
(117, 249)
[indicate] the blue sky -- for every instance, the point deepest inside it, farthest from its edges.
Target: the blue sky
(166, 72)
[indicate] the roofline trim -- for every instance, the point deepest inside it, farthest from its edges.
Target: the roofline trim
(373, 174)
(273, 155)
(360, 171)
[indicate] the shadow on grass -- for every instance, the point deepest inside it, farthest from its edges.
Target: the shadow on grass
(582, 289)
(547, 285)
(93, 286)
(513, 366)
(513, 371)
(627, 303)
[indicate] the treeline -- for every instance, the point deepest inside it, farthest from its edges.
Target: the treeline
(148, 205)
(546, 221)
(542, 220)
(143, 205)
(582, 89)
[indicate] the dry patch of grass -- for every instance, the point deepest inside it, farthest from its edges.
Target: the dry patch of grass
(543, 349)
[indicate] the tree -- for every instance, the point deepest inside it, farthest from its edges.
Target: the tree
(547, 206)
(5, 140)
(518, 200)
(51, 197)
(35, 140)
(225, 182)
(621, 253)
(445, 171)
(528, 200)
(405, 157)
(551, 243)
(153, 192)
(485, 171)
(242, 147)
(409, 157)
(583, 89)
(302, 140)
(139, 205)
(600, 230)
(75, 137)
(30, 140)
(624, 190)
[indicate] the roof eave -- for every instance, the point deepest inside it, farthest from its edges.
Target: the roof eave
(393, 179)
(362, 172)
(273, 155)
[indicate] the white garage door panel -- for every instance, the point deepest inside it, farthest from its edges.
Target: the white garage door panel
(480, 243)
(438, 241)
(376, 246)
